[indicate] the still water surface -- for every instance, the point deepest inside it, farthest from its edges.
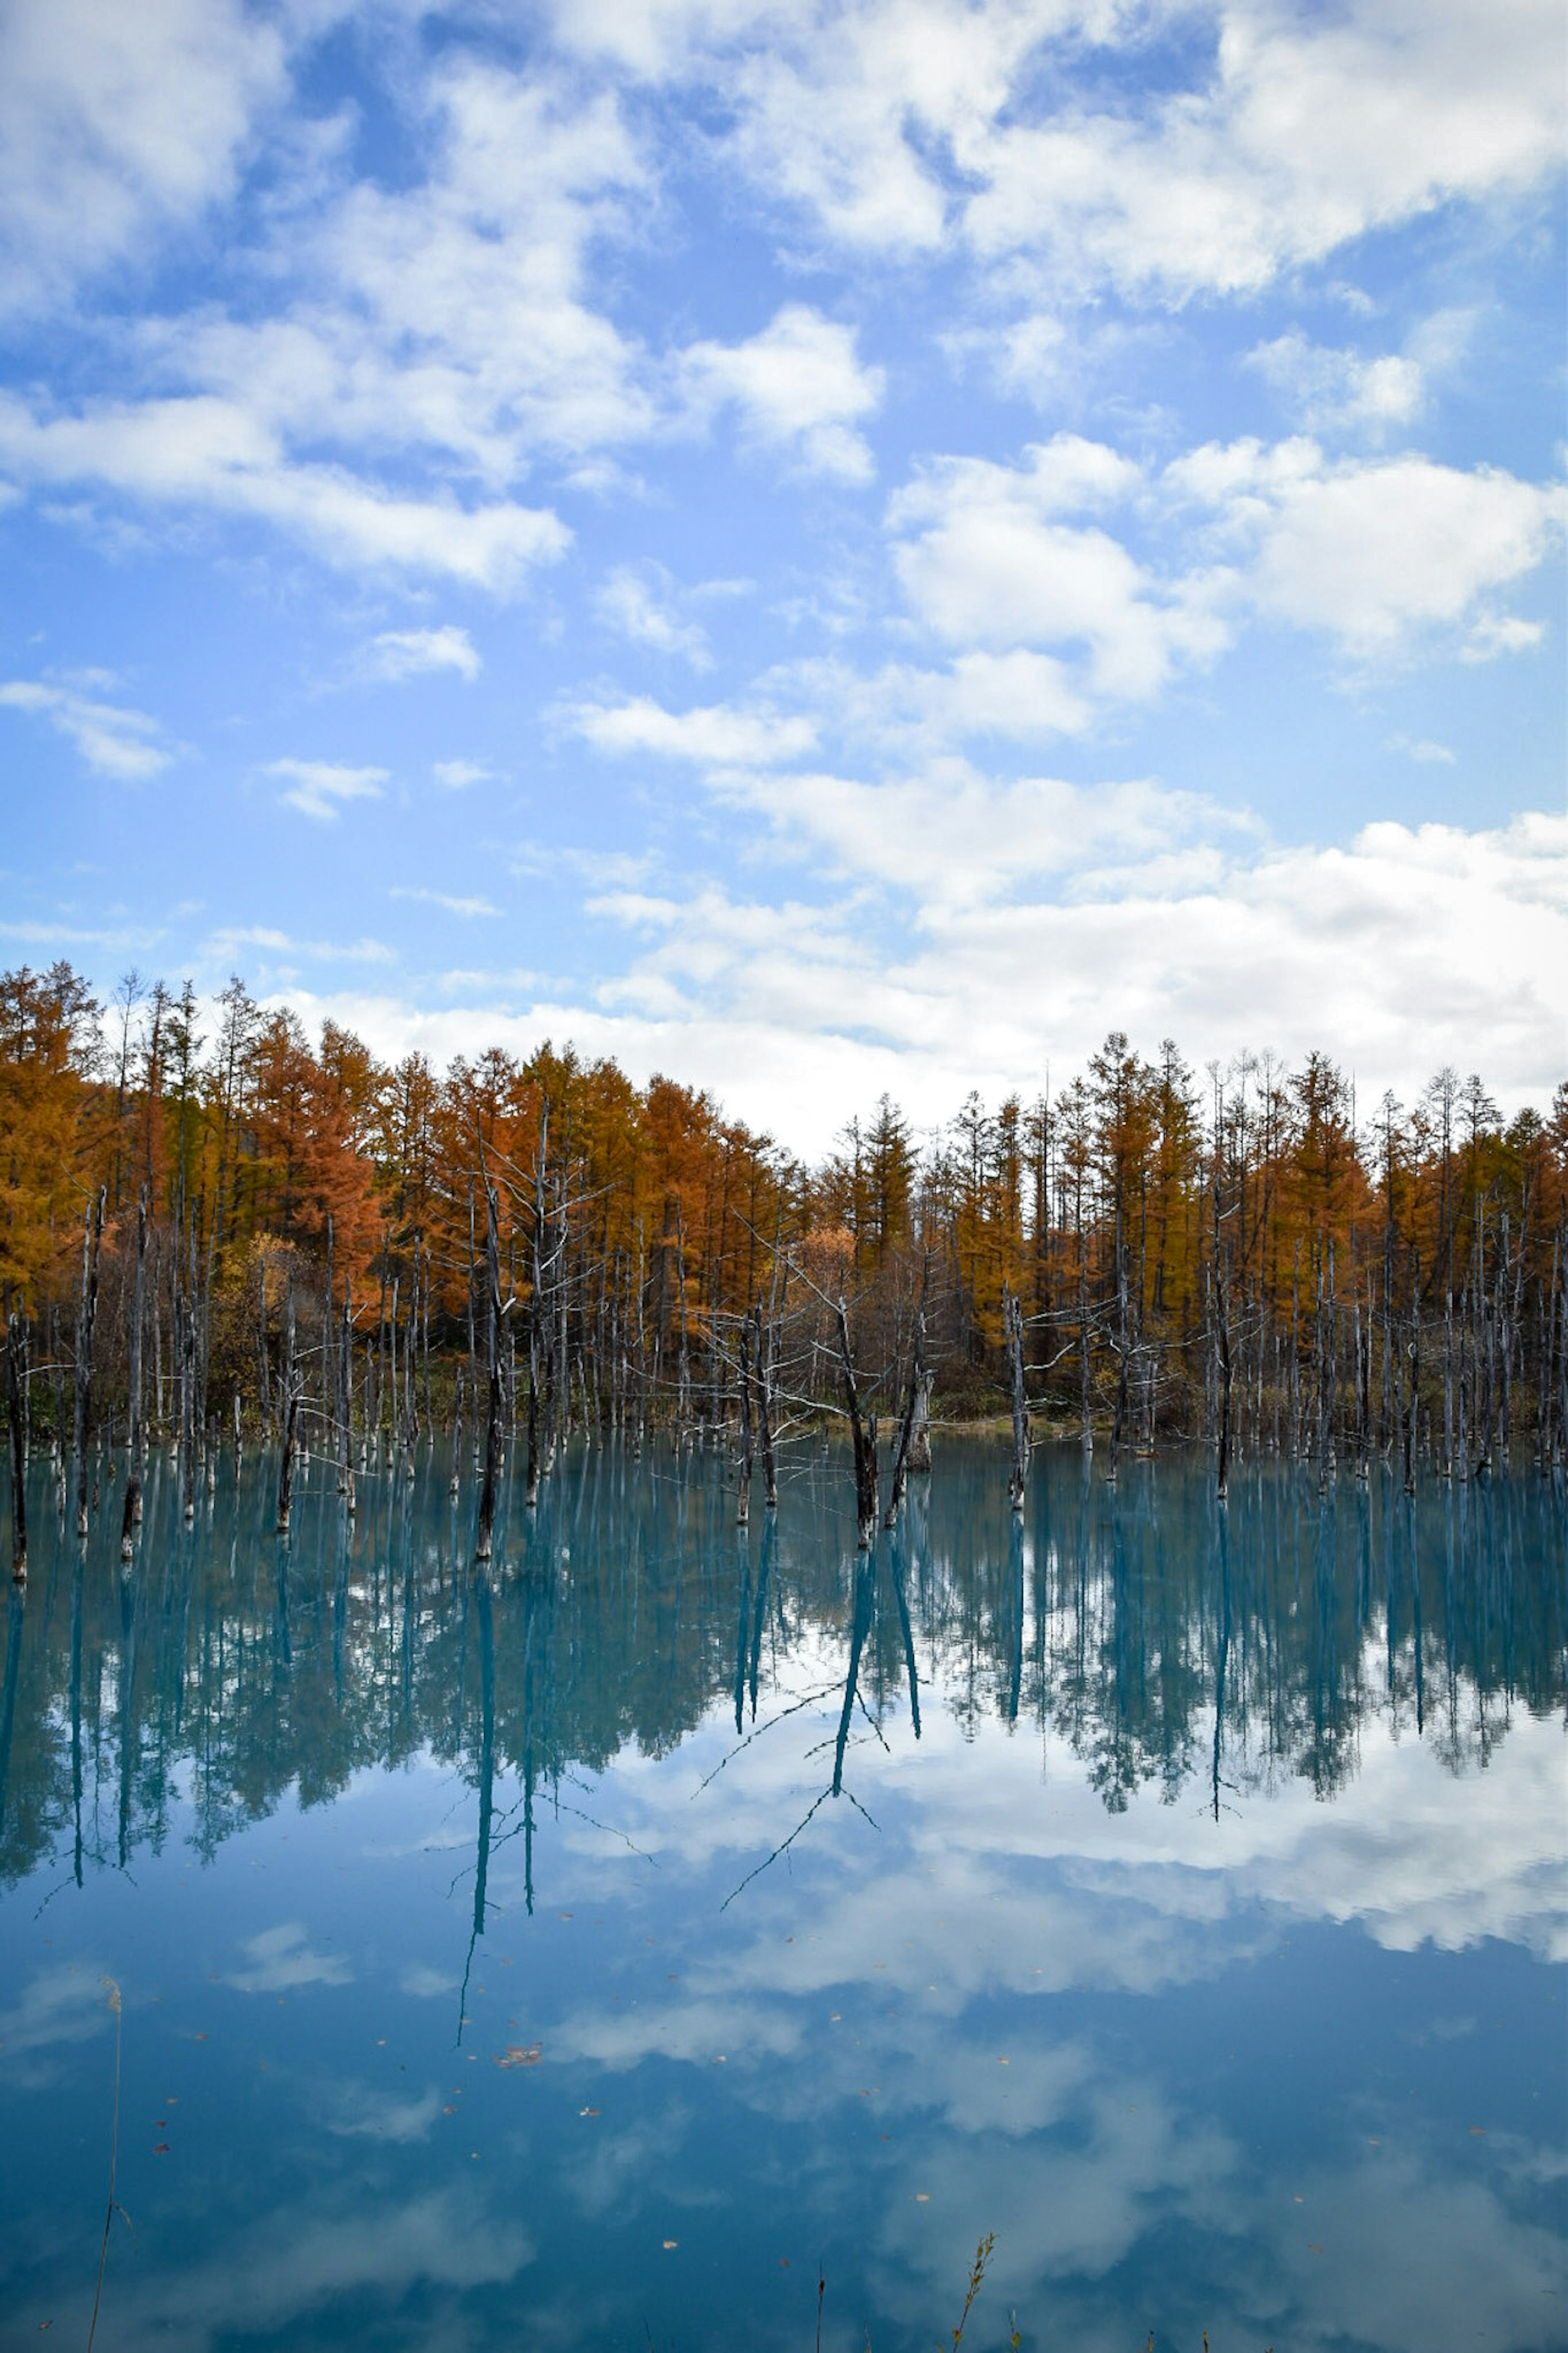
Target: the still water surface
(582, 1955)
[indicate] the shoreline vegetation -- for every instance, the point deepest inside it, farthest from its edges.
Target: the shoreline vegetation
(246, 1231)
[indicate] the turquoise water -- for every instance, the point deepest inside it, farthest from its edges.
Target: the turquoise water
(599, 1953)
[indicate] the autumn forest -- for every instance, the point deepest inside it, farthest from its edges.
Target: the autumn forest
(211, 1223)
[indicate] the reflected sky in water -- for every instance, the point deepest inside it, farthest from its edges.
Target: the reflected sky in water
(580, 1955)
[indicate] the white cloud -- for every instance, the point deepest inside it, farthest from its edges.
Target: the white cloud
(987, 558)
(279, 1959)
(117, 123)
(66, 2004)
(318, 787)
(1305, 135)
(419, 1978)
(902, 709)
(1375, 551)
(207, 453)
(1340, 387)
(719, 735)
(457, 775)
(358, 2111)
(931, 968)
(1424, 749)
(910, 126)
(453, 906)
(638, 601)
(224, 947)
(798, 386)
(114, 741)
(284, 2267)
(397, 654)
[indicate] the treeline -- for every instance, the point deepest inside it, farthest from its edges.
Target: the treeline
(204, 1213)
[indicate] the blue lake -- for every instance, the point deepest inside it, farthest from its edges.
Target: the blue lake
(600, 1952)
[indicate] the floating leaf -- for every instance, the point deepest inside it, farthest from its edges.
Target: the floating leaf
(520, 2055)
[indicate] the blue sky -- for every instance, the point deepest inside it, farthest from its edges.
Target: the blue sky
(814, 547)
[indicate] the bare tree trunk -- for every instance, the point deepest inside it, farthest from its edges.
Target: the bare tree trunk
(1083, 1340)
(346, 1399)
(87, 1315)
(263, 1374)
(903, 1457)
(1222, 1337)
(1413, 1420)
(765, 1336)
(864, 1432)
(1013, 1316)
(286, 1468)
(133, 1516)
(743, 1502)
(16, 1412)
(493, 1421)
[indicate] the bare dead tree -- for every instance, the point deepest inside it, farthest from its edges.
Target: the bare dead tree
(1013, 1319)
(16, 1412)
(766, 1337)
(87, 1316)
(863, 1430)
(743, 1498)
(917, 1393)
(286, 1468)
(136, 1433)
(493, 1422)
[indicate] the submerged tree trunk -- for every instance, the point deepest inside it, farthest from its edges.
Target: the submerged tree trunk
(286, 1468)
(764, 1338)
(864, 1433)
(903, 1458)
(743, 1499)
(493, 1421)
(1012, 1317)
(87, 1315)
(132, 1514)
(15, 1388)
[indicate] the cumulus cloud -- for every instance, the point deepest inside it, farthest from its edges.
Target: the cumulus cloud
(116, 124)
(1293, 136)
(898, 129)
(397, 654)
(720, 734)
(1375, 551)
(920, 961)
(798, 386)
(457, 775)
(215, 455)
(999, 556)
(113, 740)
(1340, 387)
(317, 789)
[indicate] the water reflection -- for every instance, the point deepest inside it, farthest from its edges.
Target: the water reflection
(1163, 1888)
(1162, 1638)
